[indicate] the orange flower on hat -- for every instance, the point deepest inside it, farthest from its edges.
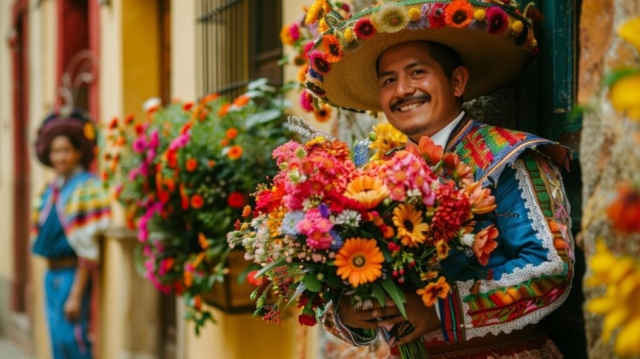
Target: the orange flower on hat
(458, 13)
(485, 243)
(411, 228)
(432, 291)
(235, 152)
(359, 261)
(366, 190)
(332, 48)
(324, 114)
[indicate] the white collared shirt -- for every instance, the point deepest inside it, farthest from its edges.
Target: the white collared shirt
(442, 136)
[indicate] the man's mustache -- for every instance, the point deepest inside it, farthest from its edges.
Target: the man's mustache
(402, 101)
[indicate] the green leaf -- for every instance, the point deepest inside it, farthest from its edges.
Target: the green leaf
(334, 281)
(395, 294)
(378, 292)
(254, 85)
(270, 266)
(616, 75)
(262, 117)
(253, 93)
(283, 61)
(301, 288)
(312, 283)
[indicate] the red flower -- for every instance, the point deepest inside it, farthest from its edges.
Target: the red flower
(318, 62)
(497, 20)
(364, 29)
(196, 201)
(191, 165)
(436, 16)
(485, 243)
(454, 210)
(624, 212)
(187, 106)
(114, 123)
(139, 129)
(129, 119)
(251, 278)
(306, 319)
(236, 200)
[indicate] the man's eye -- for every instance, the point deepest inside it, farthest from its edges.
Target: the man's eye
(387, 81)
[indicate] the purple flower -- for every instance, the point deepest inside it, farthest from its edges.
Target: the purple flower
(324, 210)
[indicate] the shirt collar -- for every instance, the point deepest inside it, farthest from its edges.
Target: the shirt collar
(442, 136)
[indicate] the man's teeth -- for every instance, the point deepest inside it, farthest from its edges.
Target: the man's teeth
(410, 107)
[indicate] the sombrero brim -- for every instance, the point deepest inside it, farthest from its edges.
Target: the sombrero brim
(492, 61)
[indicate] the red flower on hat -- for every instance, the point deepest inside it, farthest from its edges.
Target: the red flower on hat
(497, 20)
(436, 16)
(364, 29)
(318, 63)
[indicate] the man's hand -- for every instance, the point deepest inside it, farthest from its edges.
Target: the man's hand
(422, 319)
(365, 318)
(72, 308)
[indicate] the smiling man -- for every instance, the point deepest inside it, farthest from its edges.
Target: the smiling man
(423, 59)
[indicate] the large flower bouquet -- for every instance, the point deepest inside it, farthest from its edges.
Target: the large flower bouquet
(331, 223)
(184, 176)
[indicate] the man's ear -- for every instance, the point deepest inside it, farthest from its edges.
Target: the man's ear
(459, 78)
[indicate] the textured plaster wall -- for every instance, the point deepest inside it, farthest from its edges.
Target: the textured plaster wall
(610, 150)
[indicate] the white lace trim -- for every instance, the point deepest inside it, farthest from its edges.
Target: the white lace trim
(554, 265)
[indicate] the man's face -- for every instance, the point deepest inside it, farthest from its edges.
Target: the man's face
(416, 95)
(63, 156)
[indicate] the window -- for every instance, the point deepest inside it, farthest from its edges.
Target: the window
(237, 41)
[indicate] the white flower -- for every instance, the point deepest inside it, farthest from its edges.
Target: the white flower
(348, 217)
(468, 239)
(151, 103)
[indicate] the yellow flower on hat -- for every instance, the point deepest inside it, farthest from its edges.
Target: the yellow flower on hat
(89, 131)
(391, 18)
(314, 12)
(625, 95)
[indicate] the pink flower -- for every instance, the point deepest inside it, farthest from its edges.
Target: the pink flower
(306, 101)
(154, 141)
(294, 31)
(497, 20)
(140, 144)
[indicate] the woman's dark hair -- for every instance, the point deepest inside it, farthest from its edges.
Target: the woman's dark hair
(74, 141)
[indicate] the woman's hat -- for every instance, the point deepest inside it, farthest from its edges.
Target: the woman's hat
(493, 38)
(76, 125)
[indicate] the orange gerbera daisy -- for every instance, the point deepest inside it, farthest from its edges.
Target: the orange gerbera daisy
(224, 109)
(197, 201)
(434, 290)
(332, 48)
(241, 100)
(324, 114)
(458, 14)
(411, 229)
(235, 152)
(232, 133)
(359, 261)
(368, 191)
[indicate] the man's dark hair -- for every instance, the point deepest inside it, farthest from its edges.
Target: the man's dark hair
(448, 59)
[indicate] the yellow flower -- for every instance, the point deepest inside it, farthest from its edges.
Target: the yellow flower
(285, 36)
(322, 26)
(432, 291)
(391, 18)
(348, 35)
(368, 191)
(414, 14)
(629, 32)
(314, 12)
(625, 95)
(359, 261)
(385, 138)
(411, 229)
(479, 15)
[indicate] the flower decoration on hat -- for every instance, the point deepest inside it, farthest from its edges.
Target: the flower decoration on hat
(350, 45)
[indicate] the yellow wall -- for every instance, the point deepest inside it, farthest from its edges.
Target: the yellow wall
(6, 148)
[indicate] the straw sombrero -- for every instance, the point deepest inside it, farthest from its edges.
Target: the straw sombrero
(75, 124)
(493, 38)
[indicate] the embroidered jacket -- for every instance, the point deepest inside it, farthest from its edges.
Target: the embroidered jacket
(529, 274)
(81, 207)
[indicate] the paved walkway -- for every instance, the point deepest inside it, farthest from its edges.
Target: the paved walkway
(8, 350)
